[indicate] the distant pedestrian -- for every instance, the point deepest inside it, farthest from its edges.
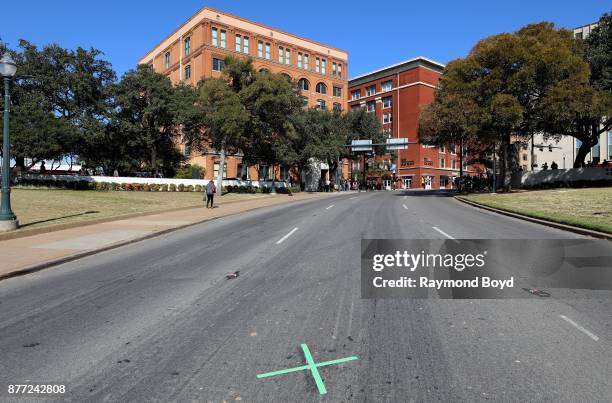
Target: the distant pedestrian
(43, 169)
(211, 189)
(545, 166)
(554, 165)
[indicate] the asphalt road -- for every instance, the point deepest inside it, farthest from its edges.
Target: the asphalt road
(158, 321)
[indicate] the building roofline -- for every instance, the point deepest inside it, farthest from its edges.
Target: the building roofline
(206, 8)
(419, 60)
(587, 25)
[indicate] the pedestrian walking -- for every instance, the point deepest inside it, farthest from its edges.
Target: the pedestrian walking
(211, 189)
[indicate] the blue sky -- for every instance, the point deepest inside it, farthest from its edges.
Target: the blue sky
(375, 33)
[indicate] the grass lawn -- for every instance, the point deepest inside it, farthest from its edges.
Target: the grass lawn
(37, 208)
(588, 208)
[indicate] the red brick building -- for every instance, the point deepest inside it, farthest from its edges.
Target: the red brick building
(197, 50)
(396, 94)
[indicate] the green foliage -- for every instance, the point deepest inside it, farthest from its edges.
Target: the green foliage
(598, 52)
(511, 85)
(56, 93)
(146, 120)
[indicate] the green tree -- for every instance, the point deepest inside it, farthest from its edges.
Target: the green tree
(60, 97)
(583, 108)
(144, 117)
(270, 100)
(450, 120)
(363, 125)
(598, 52)
(506, 78)
(225, 119)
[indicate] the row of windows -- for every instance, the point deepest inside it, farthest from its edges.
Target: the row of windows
(371, 90)
(371, 105)
(320, 88)
(429, 162)
(263, 51)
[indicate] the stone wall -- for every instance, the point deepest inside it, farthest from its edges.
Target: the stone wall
(563, 177)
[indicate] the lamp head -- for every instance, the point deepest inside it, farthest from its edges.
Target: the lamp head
(8, 68)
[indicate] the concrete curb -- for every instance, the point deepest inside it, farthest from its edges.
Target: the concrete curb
(565, 227)
(54, 262)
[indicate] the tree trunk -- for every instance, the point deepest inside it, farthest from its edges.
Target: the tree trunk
(154, 161)
(220, 172)
(244, 170)
(505, 168)
(584, 149)
(20, 163)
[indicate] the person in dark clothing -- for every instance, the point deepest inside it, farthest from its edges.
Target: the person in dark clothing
(554, 165)
(211, 189)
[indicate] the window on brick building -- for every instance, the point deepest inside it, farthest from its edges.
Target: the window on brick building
(167, 62)
(371, 106)
(216, 170)
(217, 64)
(305, 62)
(245, 47)
(442, 163)
(337, 107)
(387, 118)
(337, 91)
(215, 37)
(299, 62)
(281, 54)
(355, 94)
(386, 86)
(287, 56)
(238, 43)
(187, 44)
(387, 102)
(187, 72)
(320, 104)
(339, 70)
(387, 132)
(333, 69)
(303, 84)
(259, 49)
(223, 42)
(268, 56)
(323, 66)
(321, 88)
(318, 65)
(371, 90)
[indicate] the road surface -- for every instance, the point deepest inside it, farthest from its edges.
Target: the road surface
(158, 321)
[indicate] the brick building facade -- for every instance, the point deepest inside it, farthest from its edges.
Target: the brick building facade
(196, 50)
(396, 94)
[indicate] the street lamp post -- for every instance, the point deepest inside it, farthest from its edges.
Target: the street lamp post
(8, 220)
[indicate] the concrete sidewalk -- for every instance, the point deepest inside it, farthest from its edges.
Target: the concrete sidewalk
(32, 253)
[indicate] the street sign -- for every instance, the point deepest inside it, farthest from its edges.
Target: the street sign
(397, 144)
(361, 145)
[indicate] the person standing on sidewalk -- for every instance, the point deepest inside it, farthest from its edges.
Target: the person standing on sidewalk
(211, 189)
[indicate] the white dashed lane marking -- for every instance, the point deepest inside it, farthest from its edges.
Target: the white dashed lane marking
(286, 236)
(579, 327)
(443, 233)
